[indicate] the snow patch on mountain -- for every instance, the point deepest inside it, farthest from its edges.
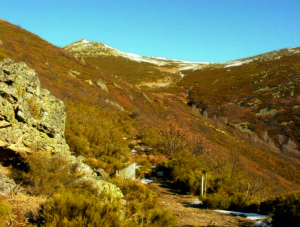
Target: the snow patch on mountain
(237, 63)
(294, 50)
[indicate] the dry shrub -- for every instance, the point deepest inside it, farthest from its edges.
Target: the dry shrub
(285, 209)
(236, 201)
(46, 174)
(154, 159)
(5, 210)
(79, 208)
(291, 149)
(143, 205)
(34, 108)
(25, 208)
(173, 136)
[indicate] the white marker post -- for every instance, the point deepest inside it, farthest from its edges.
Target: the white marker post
(202, 185)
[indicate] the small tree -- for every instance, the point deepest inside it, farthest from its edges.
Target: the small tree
(172, 136)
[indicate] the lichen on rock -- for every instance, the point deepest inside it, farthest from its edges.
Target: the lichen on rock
(30, 117)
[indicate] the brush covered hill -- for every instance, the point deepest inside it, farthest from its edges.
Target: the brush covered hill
(254, 95)
(110, 95)
(258, 95)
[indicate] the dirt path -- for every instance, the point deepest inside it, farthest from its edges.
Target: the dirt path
(188, 215)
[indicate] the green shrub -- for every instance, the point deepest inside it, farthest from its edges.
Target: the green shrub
(5, 210)
(46, 174)
(237, 201)
(217, 201)
(143, 205)
(285, 210)
(185, 172)
(79, 208)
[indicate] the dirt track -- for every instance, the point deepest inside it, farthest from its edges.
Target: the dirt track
(188, 215)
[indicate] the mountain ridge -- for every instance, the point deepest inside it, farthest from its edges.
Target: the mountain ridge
(160, 61)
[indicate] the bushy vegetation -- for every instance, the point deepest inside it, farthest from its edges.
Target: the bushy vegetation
(234, 201)
(46, 174)
(241, 93)
(5, 211)
(185, 172)
(74, 202)
(285, 210)
(80, 208)
(143, 205)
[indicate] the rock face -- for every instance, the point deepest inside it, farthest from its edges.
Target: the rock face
(6, 185)
(31, 119)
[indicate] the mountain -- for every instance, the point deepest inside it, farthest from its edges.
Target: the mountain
(142, 71)
(258, 94)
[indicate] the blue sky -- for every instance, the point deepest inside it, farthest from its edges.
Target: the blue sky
(192, 30)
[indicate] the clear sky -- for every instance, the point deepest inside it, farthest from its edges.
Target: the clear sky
(192, 30)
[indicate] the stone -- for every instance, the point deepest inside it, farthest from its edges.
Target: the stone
(102, 85)
(31, 120)
(6, 185)
(89, 82)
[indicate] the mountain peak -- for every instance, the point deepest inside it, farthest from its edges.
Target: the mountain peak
(93, 49)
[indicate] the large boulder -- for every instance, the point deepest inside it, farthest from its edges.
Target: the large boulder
(31, 120)
(30, 117)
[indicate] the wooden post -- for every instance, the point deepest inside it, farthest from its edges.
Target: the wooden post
(205, 183)
(248, 189)
(202, 185)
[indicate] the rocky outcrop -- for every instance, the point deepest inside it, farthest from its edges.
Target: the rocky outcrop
(31, 120)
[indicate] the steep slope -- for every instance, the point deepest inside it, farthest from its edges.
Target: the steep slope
(260, 94)
(93, 97)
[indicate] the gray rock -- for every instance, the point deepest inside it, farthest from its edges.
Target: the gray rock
(6, 185)
(31, 119)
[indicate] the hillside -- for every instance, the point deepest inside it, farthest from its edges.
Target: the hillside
(258, 95)
(237, 121)
(206, 86)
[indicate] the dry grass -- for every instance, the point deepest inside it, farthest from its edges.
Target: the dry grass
(23, 207)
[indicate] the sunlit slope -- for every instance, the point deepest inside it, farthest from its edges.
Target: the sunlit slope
(261, 94)
(95, 100)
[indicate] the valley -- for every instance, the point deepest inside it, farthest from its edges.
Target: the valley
(238, 122)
